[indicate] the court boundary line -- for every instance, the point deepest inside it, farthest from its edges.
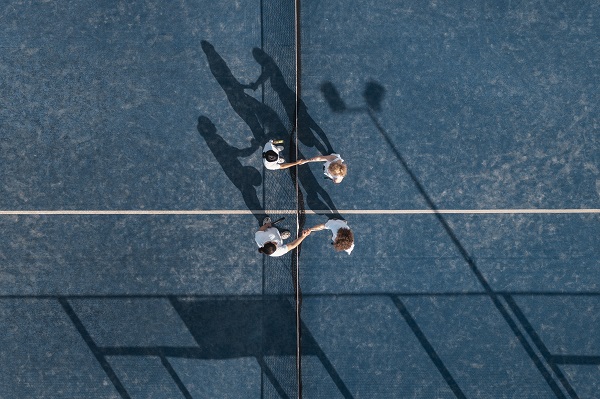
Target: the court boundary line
(248, 296)
(192, 212)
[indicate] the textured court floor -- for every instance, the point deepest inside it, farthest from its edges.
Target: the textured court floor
(457, 120)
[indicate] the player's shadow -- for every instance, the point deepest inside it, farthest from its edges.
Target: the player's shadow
(266, 124)
(245, 178)
(260, 118)
(307, 127)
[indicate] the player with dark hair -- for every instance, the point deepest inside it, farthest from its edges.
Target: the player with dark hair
(273, 160)
(270, 240)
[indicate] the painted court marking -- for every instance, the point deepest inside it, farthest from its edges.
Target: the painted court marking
(309, 212)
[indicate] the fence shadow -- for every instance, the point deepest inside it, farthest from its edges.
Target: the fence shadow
(373, 96)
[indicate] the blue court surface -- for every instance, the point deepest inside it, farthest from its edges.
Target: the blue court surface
(131, 185)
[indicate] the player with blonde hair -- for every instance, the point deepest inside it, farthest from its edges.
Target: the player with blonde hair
(334, 167)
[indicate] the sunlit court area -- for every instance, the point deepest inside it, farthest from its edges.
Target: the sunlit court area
(135, 181)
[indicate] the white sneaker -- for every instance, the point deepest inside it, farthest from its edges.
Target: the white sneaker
(266, 220)
(279, 148)
(285, 234)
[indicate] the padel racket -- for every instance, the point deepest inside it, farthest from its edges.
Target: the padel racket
(278, 220)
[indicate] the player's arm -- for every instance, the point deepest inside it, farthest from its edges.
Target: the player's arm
(322, 158)
(318, 227)
(264, 227)
(266, 74)
(298, 240)
(290, 164)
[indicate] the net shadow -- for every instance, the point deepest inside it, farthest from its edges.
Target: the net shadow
(280, 197)
(264, 329)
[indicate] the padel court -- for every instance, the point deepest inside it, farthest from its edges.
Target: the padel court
(131, 185)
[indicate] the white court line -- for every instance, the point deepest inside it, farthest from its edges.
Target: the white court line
(309, 212)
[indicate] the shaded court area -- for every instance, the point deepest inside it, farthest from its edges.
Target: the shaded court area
(131, 184)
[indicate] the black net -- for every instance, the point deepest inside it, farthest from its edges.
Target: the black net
(281, 364)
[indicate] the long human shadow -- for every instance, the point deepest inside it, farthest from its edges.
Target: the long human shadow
(373, 95)
(317, 197)
(245, 178)
(265, 123)
(307, 127)
(260, 118)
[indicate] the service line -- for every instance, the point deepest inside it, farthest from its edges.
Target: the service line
(293, 211)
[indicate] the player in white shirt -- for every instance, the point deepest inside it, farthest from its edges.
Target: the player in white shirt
(273, 160)
(270, 240)
(334, 167)
(342, 236)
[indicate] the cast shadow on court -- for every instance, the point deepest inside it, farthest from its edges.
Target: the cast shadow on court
(225, 328)
(264, 329)
(307, 125)
(266, 124)
(315, 191)
(373, 95)
(244, 178)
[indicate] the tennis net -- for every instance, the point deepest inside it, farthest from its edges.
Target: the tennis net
(281, 277)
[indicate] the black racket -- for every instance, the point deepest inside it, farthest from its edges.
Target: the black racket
(278, 220)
